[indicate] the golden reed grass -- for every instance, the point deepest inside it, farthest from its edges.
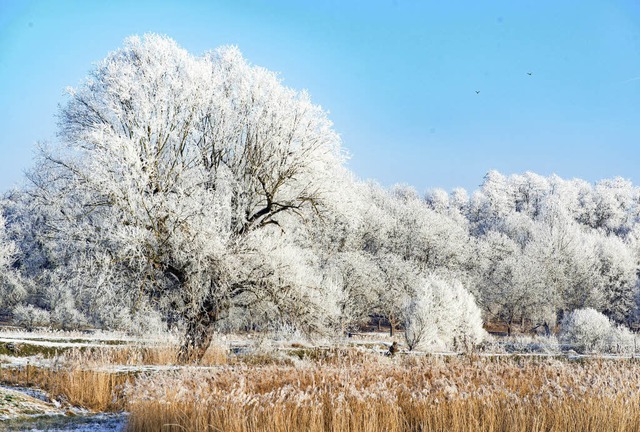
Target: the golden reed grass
(95, 390)
(372, 393)
(95, 378)
(348, 391)
(160, 355)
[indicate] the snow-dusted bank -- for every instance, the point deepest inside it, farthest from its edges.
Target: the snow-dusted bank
(28, 409)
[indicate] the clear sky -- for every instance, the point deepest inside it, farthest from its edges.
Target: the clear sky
(400, 78)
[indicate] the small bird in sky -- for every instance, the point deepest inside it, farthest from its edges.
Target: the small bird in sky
(477, 91)
(529, 73)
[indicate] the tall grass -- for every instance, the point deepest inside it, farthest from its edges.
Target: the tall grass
(95, 390)
(377, 394)
(94, 378)
(347, 390)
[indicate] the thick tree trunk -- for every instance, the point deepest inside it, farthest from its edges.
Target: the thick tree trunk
(196, 340)
(200, 323)
(199, 332)
(392, 325)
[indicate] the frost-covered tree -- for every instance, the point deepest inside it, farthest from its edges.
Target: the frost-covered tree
(11, 287)
(510, 284)
(30, 316)
(442, 315)
(174, 169)
(616, 269)
(200, 191)
(394, 237)
(410, 229)
(361, 282)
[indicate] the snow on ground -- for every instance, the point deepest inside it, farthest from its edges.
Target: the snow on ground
(50, 344)
(14, 362)
(94, 336)
(14, 404)
(93, 423)
(34, 393)
(23, 409)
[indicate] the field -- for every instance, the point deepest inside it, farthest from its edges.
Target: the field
(266, 385)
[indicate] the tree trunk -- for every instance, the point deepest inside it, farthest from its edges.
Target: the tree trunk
(392, 326)
(200, 322)
(196, 340)
(547, 331)
(199, 333)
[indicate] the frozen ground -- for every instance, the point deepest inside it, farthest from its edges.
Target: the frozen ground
(24, 409)
(15, 403)
(92, 423)
(95, 336)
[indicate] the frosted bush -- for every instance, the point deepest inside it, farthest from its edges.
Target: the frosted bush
(147, 322)
(530, 344)
(288, 334)
(30, 316)
(587, 330)
(442, 315)
(67, 317)
(621, 341)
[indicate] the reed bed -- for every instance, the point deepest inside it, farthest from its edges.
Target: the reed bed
(95, 378)
(148, 355)
(373, 393)
(345, 390)
(86, 388)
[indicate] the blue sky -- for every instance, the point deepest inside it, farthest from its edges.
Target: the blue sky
(398, 77)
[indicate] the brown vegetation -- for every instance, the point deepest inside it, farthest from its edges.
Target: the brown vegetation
(348, 390)
(96, 390)
(95, 378)
(373, 393)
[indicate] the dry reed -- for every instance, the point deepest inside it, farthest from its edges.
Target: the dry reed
(370, 393)
(95, 378)
(95, 390)
(347, 390)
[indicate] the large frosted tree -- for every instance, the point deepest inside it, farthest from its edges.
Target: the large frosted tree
(184, 175)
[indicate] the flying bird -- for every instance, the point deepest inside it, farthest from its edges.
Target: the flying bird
(529, 73)
(477, 91)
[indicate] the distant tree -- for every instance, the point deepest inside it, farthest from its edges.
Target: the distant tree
(510, 287)
(616, 205)
(11, 286)
(617, 274)
(361, 283)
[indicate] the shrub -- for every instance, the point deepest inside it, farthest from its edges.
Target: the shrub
(530, 344)
(442, 315)
(587, 330)
(30, 316)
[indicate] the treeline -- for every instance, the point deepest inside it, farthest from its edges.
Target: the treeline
(530, 248)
